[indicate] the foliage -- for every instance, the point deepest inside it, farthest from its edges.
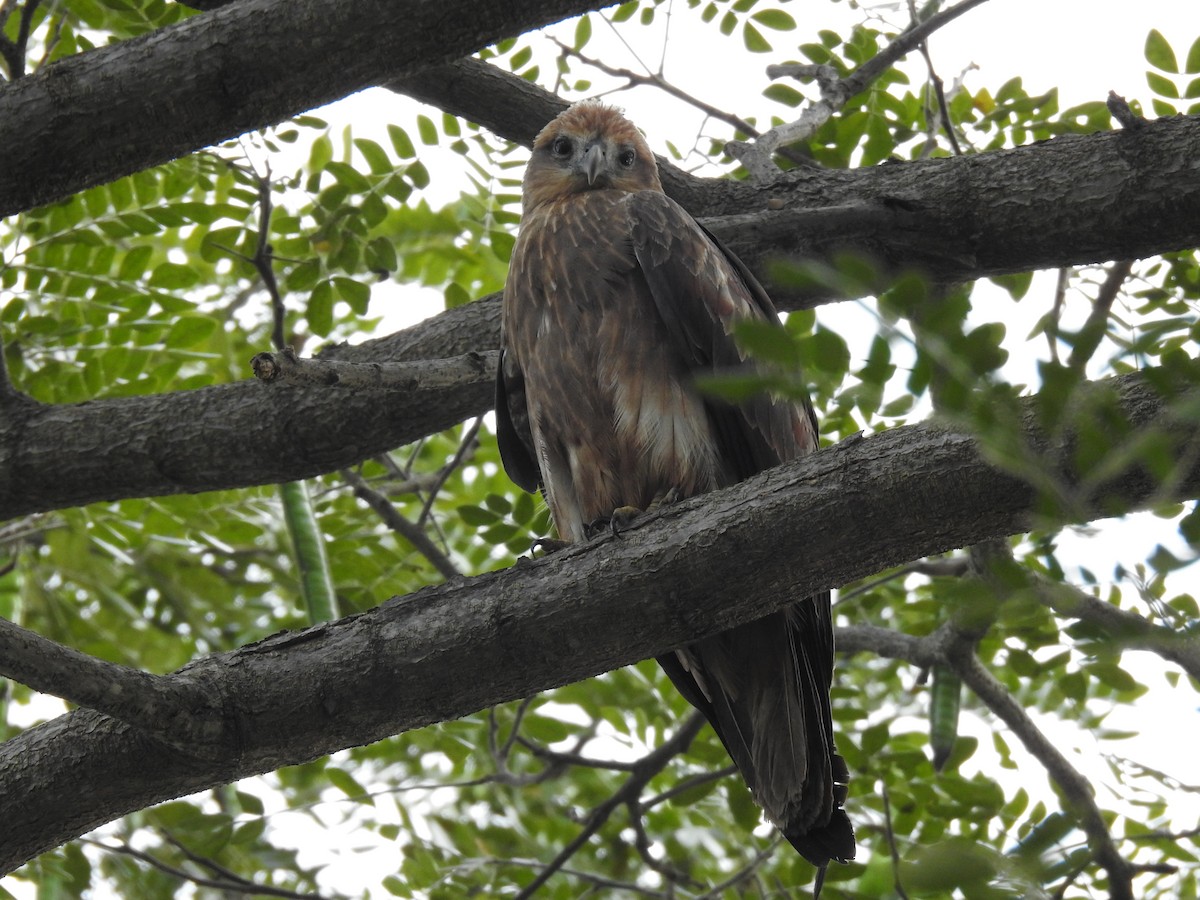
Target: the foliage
(146, 285)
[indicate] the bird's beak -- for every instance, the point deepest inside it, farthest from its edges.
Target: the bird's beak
(593, 161)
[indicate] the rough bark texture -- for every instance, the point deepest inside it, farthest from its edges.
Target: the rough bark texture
(1073, 200)
(696, 568)
(234, 435)
(97, 116)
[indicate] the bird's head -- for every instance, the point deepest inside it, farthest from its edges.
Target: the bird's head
(588, 147)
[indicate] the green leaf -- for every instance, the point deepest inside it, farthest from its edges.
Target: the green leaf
(173, 276)
(1159, 53)
(375, 156)
(827, 350)
(518, 61)
(357, 294)
(625, 11)
(1192, 66)
(768, 342)
(345, 782)
(583, 32)
(775, 19)
(783, 93)
(427, 130)
(1162, 86)
(320, 154)
(319, 312)
(349, 177)
(401, 142)
(188, 331)
(476, 516)
(134, 263)
(754, 40)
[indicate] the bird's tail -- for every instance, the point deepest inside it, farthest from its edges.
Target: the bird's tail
(764, 686)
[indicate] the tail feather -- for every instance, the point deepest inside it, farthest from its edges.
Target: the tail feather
(765, 688)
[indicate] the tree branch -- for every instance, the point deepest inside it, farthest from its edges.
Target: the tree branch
(937, 215)
(693, 569)
(215, 76)
(391, 517)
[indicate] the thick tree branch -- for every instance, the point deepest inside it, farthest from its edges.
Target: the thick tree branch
(696, 568)
(214, 76)
(942, 216)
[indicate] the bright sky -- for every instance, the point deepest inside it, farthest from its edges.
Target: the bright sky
(1084, 47)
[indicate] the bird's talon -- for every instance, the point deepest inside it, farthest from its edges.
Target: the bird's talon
(667, 498)
(622, 517)
(547, 545)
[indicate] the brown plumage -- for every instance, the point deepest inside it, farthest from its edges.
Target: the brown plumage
(615, 299)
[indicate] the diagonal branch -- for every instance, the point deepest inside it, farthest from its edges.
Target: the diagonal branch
(215, 76)
(932, 215)
(699, 567)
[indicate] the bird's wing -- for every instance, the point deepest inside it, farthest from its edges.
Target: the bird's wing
(513, 433)
(765, 685)
(701, 290)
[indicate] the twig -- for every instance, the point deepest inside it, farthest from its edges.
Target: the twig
(939, 93)
(13, 52)
(422, 375)
(465, 447)
(649, 766)
(687, 784)
(1093, 329)
(742, 874)
(237, 884)
(588, 877)
(835, 92)
(891, 839)
(1052, 325)
(641, 841)
(397, 523)
(953, 566)
(575, 759)
(655, 79)
(1127, 629)
(264, 264)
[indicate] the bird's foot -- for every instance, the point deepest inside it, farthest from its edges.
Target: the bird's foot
(548, 545)
(665, 498)
(614, 523)
(623, 516)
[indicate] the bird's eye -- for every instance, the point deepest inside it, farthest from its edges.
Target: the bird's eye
(561, 147)
(627, 158)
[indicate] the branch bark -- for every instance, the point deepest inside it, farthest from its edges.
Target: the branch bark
(690, 570)
(1069, 201)
(244, 66)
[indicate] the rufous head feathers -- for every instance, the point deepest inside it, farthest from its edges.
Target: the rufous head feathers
(588, 147)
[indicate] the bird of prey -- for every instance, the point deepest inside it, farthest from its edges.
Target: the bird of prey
(616, 299)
